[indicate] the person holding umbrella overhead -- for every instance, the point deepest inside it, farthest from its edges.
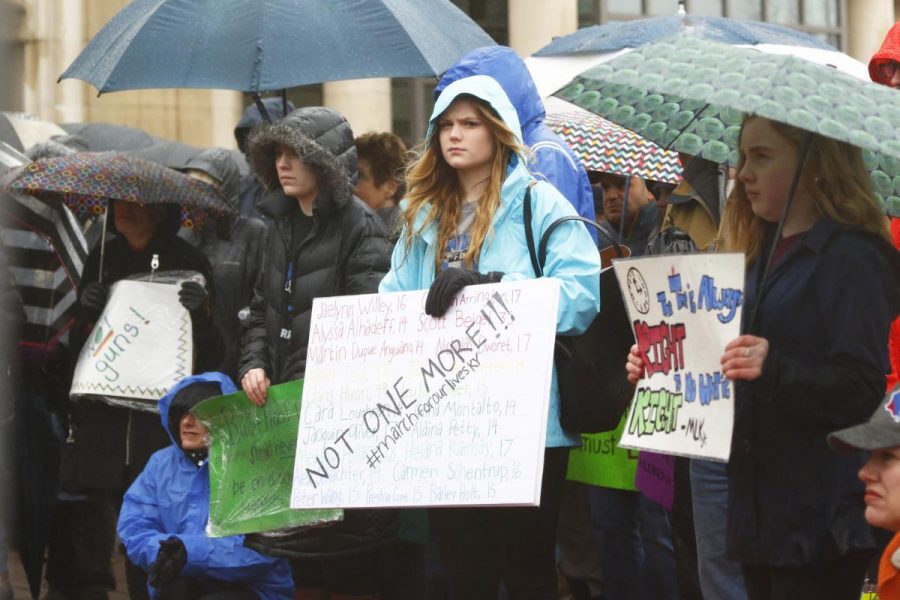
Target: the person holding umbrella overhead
(108, 446)
(233, 244)
(813, 362)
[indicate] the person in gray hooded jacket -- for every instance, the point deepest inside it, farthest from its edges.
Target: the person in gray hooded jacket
(234, 246)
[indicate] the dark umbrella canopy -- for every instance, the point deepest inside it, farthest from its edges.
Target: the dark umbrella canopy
(632, 34)
(255, 46)
(86, 181)
(103, 137)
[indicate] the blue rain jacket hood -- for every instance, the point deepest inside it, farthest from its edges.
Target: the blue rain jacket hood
(572, 257)
(171, 498)
(551, 158)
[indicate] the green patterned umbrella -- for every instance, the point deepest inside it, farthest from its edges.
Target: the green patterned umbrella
(690, 95)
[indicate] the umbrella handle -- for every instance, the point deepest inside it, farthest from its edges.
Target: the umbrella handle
(625, 192)
(103, 244)
(261, 107)
(760, 289)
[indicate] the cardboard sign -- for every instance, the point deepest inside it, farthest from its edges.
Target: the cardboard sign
(401, 409)
(251, 463)
(600, 461)
(140, 347)
(684, 310)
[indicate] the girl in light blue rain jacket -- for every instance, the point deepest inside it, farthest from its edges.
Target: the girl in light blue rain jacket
(464, 225)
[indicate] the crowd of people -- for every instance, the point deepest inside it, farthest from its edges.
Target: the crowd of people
(799, 511)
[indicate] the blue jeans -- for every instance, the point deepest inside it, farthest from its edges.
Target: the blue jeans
(719, 576)
(635, 540)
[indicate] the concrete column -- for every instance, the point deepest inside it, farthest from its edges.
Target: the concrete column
(365, 102)
(534, 23)
(868, 22)
(70, 105)
(227, 107)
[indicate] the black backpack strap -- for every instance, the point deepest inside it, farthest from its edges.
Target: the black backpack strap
(529, 234)
(545, 238)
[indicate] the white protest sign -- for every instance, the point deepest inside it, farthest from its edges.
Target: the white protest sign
(400, 409)
(140, 347)
(684, 310)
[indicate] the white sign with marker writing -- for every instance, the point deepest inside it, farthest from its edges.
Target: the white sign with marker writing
(684, 309)
(140, 347)
(401, 409)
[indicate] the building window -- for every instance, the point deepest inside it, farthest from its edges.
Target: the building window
(304, 95)
(411, 104)
(824, 19)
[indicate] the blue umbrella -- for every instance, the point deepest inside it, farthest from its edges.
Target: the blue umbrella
(267, 45)
(631, 34)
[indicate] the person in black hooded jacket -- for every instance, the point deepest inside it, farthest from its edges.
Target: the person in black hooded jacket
(323, 242)
(108, 446)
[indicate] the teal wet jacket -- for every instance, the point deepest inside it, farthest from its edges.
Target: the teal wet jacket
(572, 257)
(171, 497)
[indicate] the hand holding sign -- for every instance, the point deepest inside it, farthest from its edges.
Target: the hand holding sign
(744, 357)
(401, 409)
(140, 346)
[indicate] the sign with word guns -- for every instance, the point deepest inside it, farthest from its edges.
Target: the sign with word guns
(684, 310)
(140, 346)
(401, 409)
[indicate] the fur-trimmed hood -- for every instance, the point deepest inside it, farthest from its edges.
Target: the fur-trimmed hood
(322, 139)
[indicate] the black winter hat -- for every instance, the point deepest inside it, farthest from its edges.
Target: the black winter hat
(186, 399)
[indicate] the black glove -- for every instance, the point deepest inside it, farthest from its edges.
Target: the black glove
(93, 298)
(169, 562)
(448, 284)
(192, 296)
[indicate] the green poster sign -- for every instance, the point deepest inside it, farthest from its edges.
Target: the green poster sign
(251, 463)
(600, 461)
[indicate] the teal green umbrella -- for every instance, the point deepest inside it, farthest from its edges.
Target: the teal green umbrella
(690, 95)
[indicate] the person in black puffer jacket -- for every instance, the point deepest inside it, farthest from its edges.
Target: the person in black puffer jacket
(323, 242)
(108, 446)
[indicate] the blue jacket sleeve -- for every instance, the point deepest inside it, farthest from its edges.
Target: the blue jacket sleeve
(223, 558)
(553, 164)
(572, 258)
(140, 527)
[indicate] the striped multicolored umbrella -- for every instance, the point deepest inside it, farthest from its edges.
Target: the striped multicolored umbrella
(604, 146)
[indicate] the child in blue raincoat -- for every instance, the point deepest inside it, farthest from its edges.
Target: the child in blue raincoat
(163, 518)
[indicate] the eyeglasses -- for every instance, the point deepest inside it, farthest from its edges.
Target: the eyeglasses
(888, 69)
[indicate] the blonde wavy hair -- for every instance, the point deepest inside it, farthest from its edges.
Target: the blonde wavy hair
(433, 185)
(833, 174)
